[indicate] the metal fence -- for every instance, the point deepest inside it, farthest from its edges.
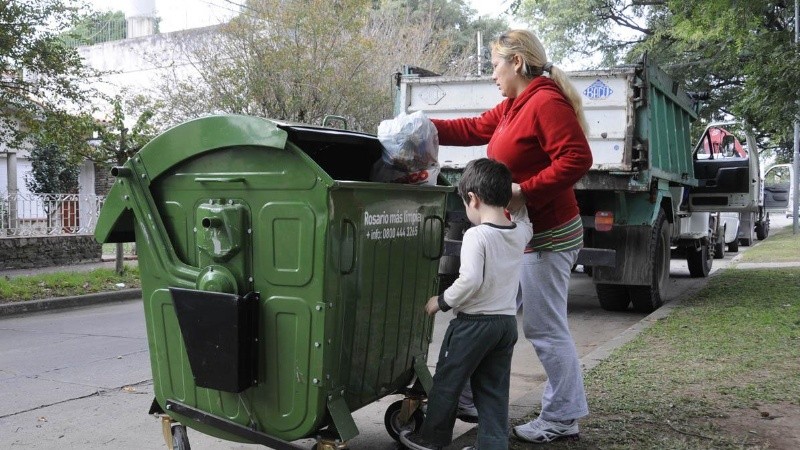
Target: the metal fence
(30, 215)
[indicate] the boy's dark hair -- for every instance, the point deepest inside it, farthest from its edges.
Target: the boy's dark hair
(488, 179)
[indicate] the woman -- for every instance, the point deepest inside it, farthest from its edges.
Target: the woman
(538, 131)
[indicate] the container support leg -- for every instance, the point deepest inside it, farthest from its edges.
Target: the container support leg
(166, 429)
(423, 374)
(342, 418)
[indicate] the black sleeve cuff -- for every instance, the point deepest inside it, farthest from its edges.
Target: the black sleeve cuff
(443, 306)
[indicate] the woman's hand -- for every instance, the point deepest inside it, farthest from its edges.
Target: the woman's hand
(432, 307)
(518, 199)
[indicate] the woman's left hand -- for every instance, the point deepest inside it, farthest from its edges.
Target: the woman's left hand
(517, 198)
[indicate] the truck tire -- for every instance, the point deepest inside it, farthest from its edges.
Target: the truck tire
(762, 229)
(647, 299)
(719, 244)
(700, 261)
(613, 297)
(733, 247)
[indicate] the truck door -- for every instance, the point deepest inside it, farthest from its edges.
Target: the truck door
(777, 188)
(727, 172)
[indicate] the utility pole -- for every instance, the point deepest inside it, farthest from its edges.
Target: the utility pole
(480, 53)
(795, 180)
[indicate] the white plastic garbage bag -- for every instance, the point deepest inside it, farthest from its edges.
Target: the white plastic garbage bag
(411, 150)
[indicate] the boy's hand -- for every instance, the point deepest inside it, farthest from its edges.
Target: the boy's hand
(432, 307)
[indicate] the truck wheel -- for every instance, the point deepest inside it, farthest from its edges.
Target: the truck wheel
(613, 297)
(699, 261)
(733, 247)
(719, 244)
(762, 229)
(747, 242)
(647, 299)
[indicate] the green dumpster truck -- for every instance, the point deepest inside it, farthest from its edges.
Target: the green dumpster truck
(634, 201)
(282, 289)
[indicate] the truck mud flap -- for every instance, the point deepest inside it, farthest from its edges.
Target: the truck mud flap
(597, 257)
(632, 255)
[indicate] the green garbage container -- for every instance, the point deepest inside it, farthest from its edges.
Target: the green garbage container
(282, 289)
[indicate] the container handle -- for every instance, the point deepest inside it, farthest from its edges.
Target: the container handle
(326, 121)
(220, 180)
(347, 247)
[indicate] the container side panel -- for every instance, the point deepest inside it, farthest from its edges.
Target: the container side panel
(383, 327)
(286, 328)
(174, 375)
(177, 224)
(287, 229)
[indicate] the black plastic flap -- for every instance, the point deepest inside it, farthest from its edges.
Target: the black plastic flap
(220, 332)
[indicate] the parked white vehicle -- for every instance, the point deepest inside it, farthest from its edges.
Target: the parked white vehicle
(729, 221)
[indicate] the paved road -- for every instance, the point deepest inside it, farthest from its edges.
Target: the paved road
(81, 378)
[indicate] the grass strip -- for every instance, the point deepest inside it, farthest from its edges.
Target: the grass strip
(708, 376)
(62, 284)
(780, 246)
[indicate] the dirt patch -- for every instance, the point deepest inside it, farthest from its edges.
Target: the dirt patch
(774, 426)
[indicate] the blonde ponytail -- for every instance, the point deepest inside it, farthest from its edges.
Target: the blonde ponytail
(562, 80)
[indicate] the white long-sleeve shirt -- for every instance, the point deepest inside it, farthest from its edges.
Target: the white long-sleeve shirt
(491, 260)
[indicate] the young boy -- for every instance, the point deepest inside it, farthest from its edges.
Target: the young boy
(478, 344)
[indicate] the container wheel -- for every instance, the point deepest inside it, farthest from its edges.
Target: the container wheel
(394, 426)
(647, 299)
(700, 261)
(613, 297)
(180, 439)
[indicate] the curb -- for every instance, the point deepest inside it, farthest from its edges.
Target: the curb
(32, 306)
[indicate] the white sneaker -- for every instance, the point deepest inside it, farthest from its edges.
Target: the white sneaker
(540, 431)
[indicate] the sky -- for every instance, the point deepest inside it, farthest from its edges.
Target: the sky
(198, 13)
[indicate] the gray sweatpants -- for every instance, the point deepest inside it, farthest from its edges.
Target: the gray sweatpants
(545, 284)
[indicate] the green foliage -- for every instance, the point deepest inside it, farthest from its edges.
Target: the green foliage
(39, 74)
(300, 60)
(97, 28)
(115, 142)
(600, 32)
(51, 171)
(742, 53)
(453, 21)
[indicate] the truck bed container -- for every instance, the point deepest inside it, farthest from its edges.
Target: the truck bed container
(639, 133)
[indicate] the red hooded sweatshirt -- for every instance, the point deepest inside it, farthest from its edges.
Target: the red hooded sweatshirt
(538, 136)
